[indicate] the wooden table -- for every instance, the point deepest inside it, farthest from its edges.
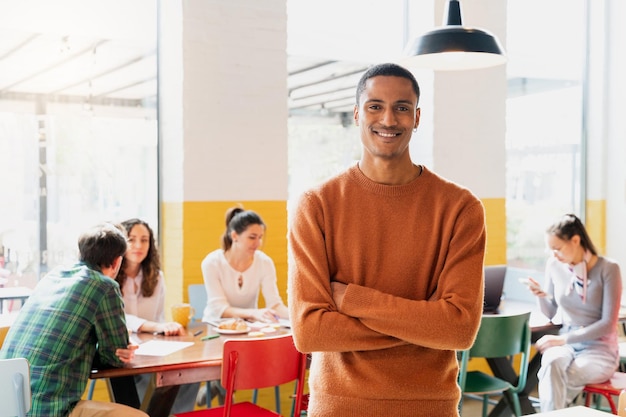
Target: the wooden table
(197, 363)
(578, 411)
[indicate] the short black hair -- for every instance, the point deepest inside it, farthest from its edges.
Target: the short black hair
(389, 70)
(101, 245)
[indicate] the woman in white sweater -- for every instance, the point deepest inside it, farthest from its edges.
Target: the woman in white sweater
(235, 274)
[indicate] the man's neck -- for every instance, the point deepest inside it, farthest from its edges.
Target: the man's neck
(109, 272)
(393, 172)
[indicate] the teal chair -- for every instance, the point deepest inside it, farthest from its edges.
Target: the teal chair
(499, 336)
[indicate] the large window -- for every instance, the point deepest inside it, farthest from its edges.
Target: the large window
(543, 140)
(78, 127)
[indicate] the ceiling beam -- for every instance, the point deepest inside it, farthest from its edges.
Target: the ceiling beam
(55, 65)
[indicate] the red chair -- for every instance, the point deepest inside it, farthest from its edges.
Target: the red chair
(257, 363)
(609, 389)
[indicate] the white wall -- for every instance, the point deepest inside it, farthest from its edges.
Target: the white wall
(616, 140)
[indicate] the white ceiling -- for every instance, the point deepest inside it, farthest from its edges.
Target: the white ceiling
(103, 52)
(108, 55)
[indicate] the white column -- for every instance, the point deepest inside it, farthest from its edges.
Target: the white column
(467, 112)
(223, 113)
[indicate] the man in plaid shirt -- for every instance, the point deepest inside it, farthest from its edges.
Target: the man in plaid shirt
(74, 315)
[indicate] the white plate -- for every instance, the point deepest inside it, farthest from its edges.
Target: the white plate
(230, 331)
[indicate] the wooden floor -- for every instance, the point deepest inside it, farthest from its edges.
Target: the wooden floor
(471, 407)
(266, 396)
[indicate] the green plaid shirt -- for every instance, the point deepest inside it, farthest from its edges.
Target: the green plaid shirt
(72, 315)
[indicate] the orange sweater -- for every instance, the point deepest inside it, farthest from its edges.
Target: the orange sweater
(412, 256)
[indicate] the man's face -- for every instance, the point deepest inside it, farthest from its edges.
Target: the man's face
(386, 115)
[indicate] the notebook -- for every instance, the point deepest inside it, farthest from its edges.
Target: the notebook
(494, 283)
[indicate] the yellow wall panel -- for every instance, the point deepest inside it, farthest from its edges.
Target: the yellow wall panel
(495, 218)
(595, 223)
(205, 222)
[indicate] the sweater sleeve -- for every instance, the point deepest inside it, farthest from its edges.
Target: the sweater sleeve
(370, 319)
(133, 322)
(217, 301)
(449, 318)
(548, 305)
(269, 286)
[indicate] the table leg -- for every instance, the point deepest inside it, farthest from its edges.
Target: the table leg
(503, 369)
(124, 391)
(158, 402)
(162, 400)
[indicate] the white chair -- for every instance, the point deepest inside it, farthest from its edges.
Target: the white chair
(14, 387)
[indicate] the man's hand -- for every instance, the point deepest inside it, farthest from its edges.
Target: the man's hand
(338, 291)
(128, 354)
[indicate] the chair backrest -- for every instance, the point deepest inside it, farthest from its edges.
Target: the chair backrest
(14, 387)
(501, 336)
(260, 363)
(197, 299)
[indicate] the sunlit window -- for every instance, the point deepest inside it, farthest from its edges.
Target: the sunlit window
(78, 127)
(543, 140)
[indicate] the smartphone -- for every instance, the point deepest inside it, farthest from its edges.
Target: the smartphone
(533, 286)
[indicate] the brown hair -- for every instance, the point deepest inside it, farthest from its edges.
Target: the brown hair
(239, 220)
(150, 266)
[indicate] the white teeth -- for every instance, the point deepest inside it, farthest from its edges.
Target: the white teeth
(387, 135)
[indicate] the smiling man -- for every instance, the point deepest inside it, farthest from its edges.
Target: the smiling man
(385, 275)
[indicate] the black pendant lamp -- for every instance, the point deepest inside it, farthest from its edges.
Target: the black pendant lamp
(454, 47)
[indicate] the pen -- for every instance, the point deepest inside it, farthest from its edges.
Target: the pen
(197, 333)
(210, 336)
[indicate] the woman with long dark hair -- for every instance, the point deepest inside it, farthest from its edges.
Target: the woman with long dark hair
(143, 290)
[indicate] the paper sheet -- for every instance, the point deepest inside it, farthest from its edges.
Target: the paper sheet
(160, 347)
